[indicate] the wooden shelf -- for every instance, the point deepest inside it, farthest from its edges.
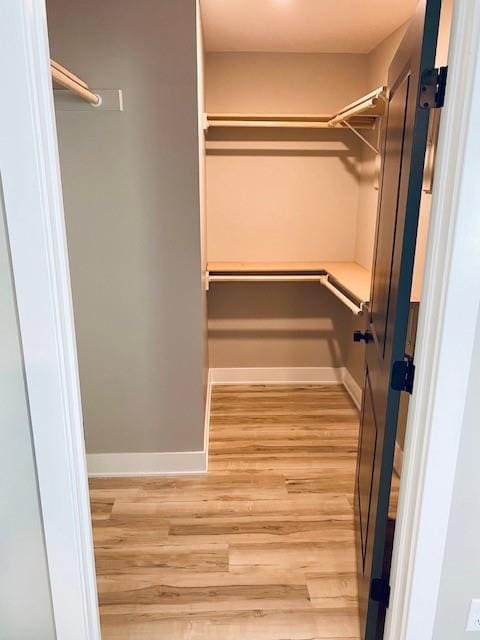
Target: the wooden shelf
(284, 121)
(252, 117)
(264, 267)
(351, 277)
(361, 114)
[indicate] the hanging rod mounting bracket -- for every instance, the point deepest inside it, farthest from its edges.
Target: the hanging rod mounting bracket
(359, 135)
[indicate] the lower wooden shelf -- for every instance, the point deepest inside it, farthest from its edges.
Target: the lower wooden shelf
(352, 278)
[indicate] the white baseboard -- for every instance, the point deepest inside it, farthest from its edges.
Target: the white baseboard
(146, 464)
(154, 463)
(289, 375)
(354, 390)
(277, 375)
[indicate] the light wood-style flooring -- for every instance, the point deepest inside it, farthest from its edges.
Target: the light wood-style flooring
(261, 548)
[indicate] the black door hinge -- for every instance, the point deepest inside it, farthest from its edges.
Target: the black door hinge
(432, 88)
(403, 373)
(380, 591)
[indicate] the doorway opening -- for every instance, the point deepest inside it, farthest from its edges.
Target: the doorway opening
(233, 209)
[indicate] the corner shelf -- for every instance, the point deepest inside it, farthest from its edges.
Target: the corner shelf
(348, 281)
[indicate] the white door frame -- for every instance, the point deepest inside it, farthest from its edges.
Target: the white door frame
(30, 175)
(29, 171)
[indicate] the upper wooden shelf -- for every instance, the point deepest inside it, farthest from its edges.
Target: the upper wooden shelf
(283, 121)
(264, 267)
(349, 275)
(360, 114)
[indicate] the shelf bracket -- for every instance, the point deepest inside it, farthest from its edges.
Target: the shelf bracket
(359, 135)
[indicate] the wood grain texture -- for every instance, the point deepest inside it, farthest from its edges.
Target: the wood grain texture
(261, 548)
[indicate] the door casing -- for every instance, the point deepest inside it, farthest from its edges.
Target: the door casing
(28, 150)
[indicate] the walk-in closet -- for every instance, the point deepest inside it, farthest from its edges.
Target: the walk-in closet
(233, 178)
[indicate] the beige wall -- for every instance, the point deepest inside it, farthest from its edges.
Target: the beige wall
(276, 325)
(293, 199)
(202, 166)
(283, 82)
(378, 62)
(287, 196)
(284, 206)
(131, 194)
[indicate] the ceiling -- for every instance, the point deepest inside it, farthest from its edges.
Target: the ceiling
(301, 26)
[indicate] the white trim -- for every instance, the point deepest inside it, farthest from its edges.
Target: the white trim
(353, 388)
(288, 375)
(446, 330)
(155, 463)
(34, 212)
(277, 375)
(147, 464)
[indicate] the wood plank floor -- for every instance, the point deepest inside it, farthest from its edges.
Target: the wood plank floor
(261, 548)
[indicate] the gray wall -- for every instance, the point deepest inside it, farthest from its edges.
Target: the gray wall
(25, 604)
(131, 196)
(461, 567)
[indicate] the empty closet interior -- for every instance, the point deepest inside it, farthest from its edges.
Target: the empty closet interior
(221, 166)
(221, 184)
(293, 144)
(294, 130)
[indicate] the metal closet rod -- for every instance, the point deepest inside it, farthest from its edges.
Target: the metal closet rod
(354, 308)
(70, 81)
(262, 278)
(374, 102)
(321, 279)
